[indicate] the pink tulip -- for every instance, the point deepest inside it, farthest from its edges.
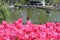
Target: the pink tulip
(26, 37)
(28, 23)
(58, 24)
(1, 38)
(53, 24)
(52, 39)
(43, 36)
(4, 23)
(20, 20)
(59, 36)
(58, 29)
(18, 31)
(48, 24)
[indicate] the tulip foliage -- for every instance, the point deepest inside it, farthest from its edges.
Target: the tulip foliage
(29, 31)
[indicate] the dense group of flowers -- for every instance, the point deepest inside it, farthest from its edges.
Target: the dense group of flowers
(18, 31)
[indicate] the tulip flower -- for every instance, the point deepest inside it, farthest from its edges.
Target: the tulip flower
(29, 31)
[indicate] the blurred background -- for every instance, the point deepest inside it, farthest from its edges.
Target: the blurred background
(39, 11)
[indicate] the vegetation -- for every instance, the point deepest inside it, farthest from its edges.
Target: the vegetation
(26, 1)
(4, 12)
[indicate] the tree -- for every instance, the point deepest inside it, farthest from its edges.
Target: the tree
(4, 12)
(57, 1)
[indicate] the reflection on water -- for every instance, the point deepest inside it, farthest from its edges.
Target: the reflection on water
(36, 15)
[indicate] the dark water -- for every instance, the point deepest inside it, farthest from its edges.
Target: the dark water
(36, 15)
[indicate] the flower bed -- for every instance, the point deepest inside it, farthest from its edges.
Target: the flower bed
(18, 31)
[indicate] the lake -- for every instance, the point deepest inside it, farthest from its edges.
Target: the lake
(37, 15)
